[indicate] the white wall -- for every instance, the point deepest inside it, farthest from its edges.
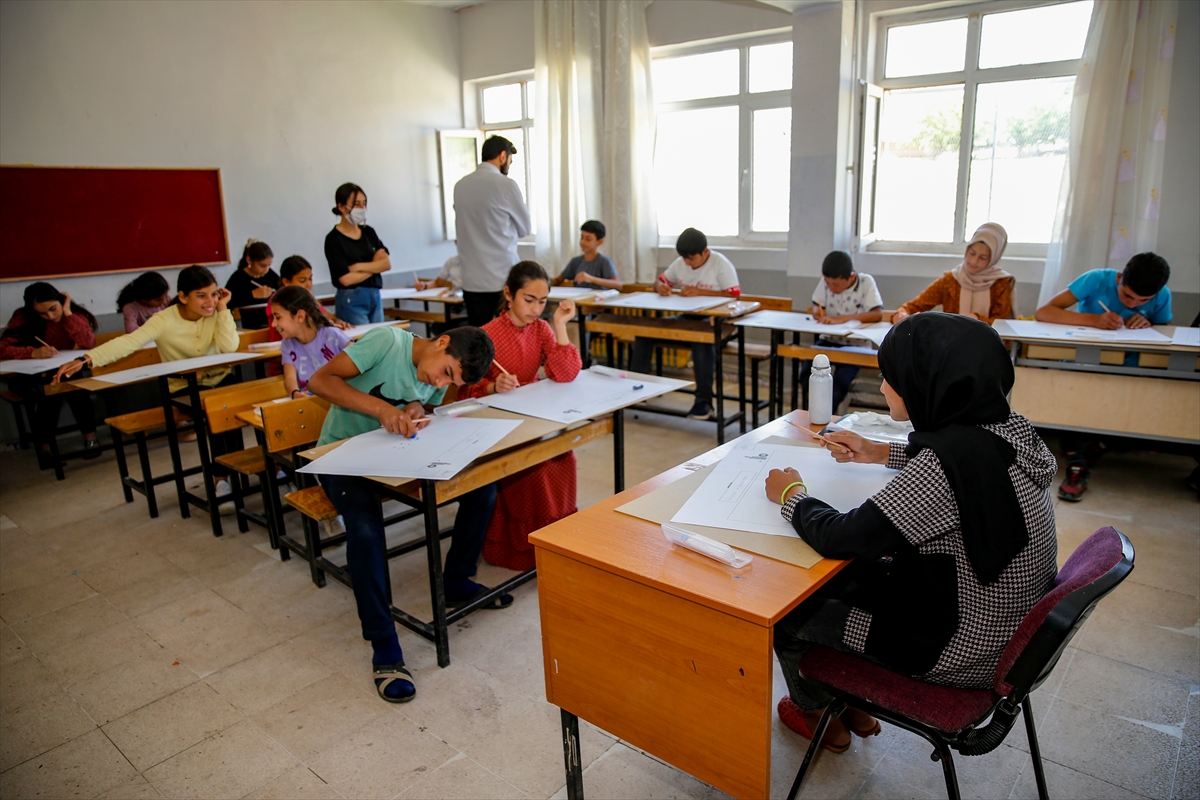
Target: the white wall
(289, 99)
(676, 21)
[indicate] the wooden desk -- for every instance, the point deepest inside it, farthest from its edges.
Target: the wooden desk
(660, 646)
(450, 303)
(689, 331)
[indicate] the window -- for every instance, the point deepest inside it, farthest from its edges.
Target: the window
(722, 157)
(969, 123)
(506, 109)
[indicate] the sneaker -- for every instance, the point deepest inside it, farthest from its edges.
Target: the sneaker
(1075, 485)
(334, 526)
(701, 411)
(222, 489)
(91, 449)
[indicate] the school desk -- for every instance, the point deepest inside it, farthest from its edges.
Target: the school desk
(450, 299)
(676, 329)
(1087, 387)
(660, 646)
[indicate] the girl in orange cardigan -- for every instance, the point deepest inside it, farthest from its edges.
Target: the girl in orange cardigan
(976, 287)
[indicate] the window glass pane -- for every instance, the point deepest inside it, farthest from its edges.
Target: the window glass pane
(919, 132)
(516, 169)
(502, 103)
(1034, 35)
(926, 49)
(1022, 130)
(771, 67)
(772, 159)
(696, 171)
(693, 77)
(530, 99)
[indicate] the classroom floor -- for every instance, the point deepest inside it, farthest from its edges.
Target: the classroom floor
(146, 658)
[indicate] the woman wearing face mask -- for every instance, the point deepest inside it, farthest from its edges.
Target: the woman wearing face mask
(976, 287)
(356, 259)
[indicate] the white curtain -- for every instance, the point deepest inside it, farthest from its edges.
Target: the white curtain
(1111, 190)
(594, 131)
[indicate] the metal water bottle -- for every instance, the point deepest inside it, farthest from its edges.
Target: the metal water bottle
(820, 391)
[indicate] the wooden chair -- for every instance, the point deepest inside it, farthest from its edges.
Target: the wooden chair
(143, 426)
(288, 428)
(756, 353)
(220, 407)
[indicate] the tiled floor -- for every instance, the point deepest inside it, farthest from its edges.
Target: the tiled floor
(145, 658)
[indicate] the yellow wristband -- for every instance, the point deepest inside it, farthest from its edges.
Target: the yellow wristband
(788, 488)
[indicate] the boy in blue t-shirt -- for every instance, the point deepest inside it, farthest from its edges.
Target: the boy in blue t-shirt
(391, 378)
(1136, 297)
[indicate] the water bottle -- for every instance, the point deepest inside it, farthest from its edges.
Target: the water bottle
(820, 391)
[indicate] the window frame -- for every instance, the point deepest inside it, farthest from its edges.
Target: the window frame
(971, 77)
(526, 124)
(746, 103)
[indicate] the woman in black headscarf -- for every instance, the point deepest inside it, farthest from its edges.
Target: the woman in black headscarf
(953, 552)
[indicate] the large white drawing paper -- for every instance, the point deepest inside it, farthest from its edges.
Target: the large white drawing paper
(873, 333)
(796, 322)
(1187, 337)
(439, 451)
(1031, 329)
(734, 495)
(436, 293)
(571, 292)
(397, 293)
(591, 394)
(180, 367)
(654, 301)
(35, 366)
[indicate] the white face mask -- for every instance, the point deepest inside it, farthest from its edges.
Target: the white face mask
(358, 216)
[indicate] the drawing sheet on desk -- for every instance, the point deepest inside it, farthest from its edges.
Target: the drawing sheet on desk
(572, 292)
(439, 451)
(653, 301)
(358, 330)
(180, 367)
(873, 333)
(734, 495)
(1187, 337)
(397, 293)
(590, 395)
(794, 321)
(436, 293)
(36, 366)
(1031, 329)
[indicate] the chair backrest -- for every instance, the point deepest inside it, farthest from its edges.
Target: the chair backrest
(1095, 568)
(247, 338)
(101, 338)
(296, 423)
(769, 302)
(223, 404)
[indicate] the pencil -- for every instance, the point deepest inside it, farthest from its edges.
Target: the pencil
(501, 366)
(1106, 308)
(801, 427)
(43, 341)
(256, 283)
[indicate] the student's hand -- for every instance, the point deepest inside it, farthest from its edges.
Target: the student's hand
(66, 304)
(1108, 321)
(262, 292)
(690, 291)
(662, 287)
(778, 480)
(416, 412)
(970, 314)
(505, 383)
(1137, 321)
(583, 279)
(397, 421)
(45, 351)
(68, 369)
(830, 320)
(565, 312)
(818, 313)
(341, 324)
(847, 447)
(899, 315)
(421, 285)
(223, 298)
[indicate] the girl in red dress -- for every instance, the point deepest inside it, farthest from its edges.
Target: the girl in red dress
(540, 495)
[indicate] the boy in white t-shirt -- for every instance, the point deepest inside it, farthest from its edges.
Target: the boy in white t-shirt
(697, 271)
(841, 296)
(449, 277)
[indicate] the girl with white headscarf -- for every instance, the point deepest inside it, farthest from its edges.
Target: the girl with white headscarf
(976, 287)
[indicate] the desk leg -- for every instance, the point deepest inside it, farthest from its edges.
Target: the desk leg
(775, 393)
(206, 464)
(618, 451)
(585, 352)
(571, 757)
(795, 376)
(608, 345)
(741, 334)
(437, 588)
(164, 388)
(720, 378)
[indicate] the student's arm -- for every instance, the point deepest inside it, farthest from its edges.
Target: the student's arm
(1001, 301)
(291, 381)
(226, 334)
(130, 318)
(933, 296)
(561, 359)
(334, 321)
(80, 330)
(10, 345)
(1056, 311)
(607, 283)
(559, 280)
(329, 383)
(696, 291)
(118, 348)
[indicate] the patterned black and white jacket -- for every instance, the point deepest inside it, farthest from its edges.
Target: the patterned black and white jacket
(916, 603)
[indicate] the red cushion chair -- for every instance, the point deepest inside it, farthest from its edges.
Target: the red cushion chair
(950, 718)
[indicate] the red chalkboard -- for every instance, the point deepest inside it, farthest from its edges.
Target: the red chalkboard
(57, 221)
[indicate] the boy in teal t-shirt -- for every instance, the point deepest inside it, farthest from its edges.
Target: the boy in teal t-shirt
(390, 378)
(1136, 297)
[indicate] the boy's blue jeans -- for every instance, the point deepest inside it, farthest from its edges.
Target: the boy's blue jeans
(358, 305)
(366, 549)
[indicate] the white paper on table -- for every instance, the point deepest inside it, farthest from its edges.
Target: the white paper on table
(876, 427)
(590, 395)
(653, 301)
(873, 333)
(358, 330)
(734, 495)
(1032, 329)
(571, 292)
(796, 322)
(36, 366)
(180, 367)
(397, 293)
(439, 451)
(436, 293)
(1186, 337)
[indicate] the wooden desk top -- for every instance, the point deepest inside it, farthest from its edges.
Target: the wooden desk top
(604, 538)
(730, 308)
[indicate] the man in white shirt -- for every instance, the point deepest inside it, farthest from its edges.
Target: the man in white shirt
(491, 216)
